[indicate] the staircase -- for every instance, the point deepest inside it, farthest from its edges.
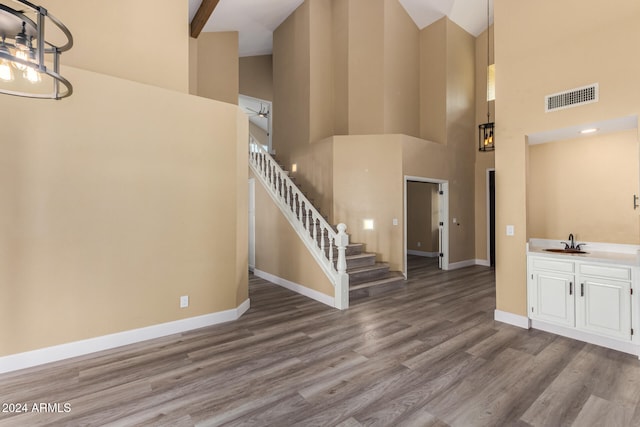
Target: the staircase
(364, 276)
(368, 277)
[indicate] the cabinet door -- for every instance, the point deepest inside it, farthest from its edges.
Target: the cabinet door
(552, 299)
(603, 306)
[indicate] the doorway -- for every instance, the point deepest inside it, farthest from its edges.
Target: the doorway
(426, 213)
(259, 112)
(491, 217)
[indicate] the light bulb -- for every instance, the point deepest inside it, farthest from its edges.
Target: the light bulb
(21, 54)
(32, 75)
(6, 73)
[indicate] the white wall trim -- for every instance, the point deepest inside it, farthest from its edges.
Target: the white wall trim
(512, 319)
(483, 262)
(297, 288)
(462, 264)
(422, 253)
(625, 347)
(41, 356)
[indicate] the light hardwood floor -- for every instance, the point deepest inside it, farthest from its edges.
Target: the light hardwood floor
(429, 354)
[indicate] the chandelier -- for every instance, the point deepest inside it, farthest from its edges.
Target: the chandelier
(29, 63)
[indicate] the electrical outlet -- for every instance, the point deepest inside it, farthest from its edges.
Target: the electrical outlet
(184, 301)
(419, 244)
(395, 221)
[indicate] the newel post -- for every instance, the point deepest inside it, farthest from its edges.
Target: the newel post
(342, 283)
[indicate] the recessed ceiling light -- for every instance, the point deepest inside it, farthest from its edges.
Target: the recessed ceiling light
(590, 130)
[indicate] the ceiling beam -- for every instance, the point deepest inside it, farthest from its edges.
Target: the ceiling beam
(202, 16)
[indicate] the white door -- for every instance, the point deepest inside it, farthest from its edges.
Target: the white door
(604, 307)
(252, 224)
(552, 299)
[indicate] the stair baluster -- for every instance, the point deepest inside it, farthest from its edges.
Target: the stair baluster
(303, 216)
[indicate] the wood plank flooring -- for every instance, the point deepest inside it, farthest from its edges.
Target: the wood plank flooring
(428, 354)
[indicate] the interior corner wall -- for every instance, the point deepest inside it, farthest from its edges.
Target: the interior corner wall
(320, 70)
(256, 76)
(524, 51)
(433, 75)
(218, 69)
(340, 62)
(401, 51)
(291, 85)
(134, 205)
(484, 159)
(113, 37)
(193, 66)
(461, 140)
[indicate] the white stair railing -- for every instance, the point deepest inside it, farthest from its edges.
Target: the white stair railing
(317, 234)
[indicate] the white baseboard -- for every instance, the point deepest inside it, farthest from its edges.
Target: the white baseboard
(461, 264)
(41, 356)
(483, 262)
(511, 319)
(625, 347)
(297, 288)
(422, 253)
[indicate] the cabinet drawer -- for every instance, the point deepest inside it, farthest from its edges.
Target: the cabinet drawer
(620, 273)
(552, 264)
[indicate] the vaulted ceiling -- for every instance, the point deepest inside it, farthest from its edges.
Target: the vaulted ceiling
(255, 20)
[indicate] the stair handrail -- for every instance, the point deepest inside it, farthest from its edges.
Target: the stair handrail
(316, 233)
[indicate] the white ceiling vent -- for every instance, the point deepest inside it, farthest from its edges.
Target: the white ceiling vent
(571, 98)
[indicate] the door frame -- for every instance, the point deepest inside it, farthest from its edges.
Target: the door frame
(443, 210)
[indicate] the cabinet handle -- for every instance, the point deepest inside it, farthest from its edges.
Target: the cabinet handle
(581, 289)
(570, 288)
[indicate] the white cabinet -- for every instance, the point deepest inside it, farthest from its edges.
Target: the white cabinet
(603, 305)
(589, 297)
(552, 297)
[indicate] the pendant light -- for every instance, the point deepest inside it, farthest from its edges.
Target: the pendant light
(486, 131)
(34, 59)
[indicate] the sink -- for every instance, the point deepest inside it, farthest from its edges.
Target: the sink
(567, 251)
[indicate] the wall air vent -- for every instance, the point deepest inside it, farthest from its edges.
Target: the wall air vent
(571, 98)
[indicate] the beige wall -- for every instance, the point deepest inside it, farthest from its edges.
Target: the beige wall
(340, 62)
(368, 184)
(484, 159)
(193, 66)
(218, 75)
(422, 216)
(256, 76)
(113, 208)
(573, 188)
(291, 85)
(380, 52)
(366, 67)
(119, 38)
(433, 72)
(587, 44)
(401, 71)
(320, 70)
(289, 258)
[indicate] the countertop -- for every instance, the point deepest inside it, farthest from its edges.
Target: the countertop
(596, 252)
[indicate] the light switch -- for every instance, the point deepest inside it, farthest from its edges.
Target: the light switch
(510, 230)
(395, 221)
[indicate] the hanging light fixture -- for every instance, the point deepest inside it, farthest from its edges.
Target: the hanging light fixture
(486, 131)
(24, 48)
